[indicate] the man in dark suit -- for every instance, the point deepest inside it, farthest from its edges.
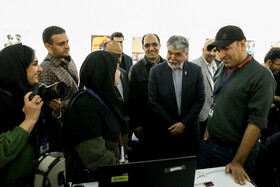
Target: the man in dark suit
(122, 90)
(141, 117)
(126, 61)
(207, 63)
(176, 96)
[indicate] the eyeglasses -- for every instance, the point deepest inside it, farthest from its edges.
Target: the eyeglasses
(278, 65)
(119, 55)
(147, 45)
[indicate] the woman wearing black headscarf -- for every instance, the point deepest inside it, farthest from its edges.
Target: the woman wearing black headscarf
(91, 129)
(19, 136)
(19, 70)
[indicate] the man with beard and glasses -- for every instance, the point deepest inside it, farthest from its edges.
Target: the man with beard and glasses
(58, 66)
(176, 96)
(209, 67)
(272, 62)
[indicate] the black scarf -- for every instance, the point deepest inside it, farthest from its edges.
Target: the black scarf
(14, 60)
(80, 122)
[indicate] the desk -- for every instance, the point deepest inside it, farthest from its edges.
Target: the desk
(216, 175)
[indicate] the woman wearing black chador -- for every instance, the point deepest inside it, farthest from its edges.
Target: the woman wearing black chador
(91, 128)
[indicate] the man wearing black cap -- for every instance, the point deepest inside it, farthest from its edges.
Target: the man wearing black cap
(243, 94)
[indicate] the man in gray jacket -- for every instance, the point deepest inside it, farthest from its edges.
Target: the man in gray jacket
(208, 66)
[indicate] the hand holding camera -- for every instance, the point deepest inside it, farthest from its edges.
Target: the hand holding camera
(52, 95)
(32, 110)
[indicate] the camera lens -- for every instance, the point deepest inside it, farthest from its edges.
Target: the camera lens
(60, 89)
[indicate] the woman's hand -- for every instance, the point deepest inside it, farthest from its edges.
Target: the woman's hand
(32, 110)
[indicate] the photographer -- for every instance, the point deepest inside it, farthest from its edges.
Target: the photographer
(25, 132)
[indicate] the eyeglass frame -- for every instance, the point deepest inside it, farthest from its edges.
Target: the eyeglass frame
(120, 55)
(155, 44)
(278, 65)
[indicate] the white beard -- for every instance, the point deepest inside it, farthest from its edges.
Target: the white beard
(173, 66)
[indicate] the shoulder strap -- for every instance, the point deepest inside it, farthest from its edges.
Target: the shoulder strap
(63, 65)
(70, 73)
(98, 98)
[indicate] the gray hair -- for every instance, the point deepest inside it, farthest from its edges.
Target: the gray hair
(178, 42)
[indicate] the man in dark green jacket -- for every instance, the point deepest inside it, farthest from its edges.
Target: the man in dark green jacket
(243, 94)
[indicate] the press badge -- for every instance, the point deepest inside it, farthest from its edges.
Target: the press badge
(44, 145)
(211, 111)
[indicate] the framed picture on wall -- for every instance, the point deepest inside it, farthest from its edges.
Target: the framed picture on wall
(250, 47)
(98, 41)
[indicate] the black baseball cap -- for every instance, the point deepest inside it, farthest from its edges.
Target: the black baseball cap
(226, 36)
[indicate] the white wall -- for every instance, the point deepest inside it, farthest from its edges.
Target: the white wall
(196, 19)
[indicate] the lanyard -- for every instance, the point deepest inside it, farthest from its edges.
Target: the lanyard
(212, 76)
(7, 92)
(219, 87)
(98, 98)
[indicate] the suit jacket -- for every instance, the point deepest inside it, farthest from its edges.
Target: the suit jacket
(138, 77)
(208, 88)
(162, 101)
(126, 62)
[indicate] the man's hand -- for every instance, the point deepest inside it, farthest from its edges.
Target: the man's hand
(177, 128)
(238, 173)
(139, 132)
(206, 134)
(249, 139)
(55, 105)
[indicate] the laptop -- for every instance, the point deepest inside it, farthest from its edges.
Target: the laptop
(179, 172)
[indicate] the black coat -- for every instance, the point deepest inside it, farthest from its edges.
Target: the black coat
(138, 77)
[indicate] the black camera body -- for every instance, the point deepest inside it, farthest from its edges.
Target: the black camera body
(47, 93)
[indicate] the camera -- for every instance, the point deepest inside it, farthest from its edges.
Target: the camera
(47, 93)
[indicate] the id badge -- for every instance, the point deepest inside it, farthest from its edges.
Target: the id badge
(211, 111)
(44, 145)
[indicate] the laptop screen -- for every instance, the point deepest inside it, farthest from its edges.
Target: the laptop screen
(179, 172)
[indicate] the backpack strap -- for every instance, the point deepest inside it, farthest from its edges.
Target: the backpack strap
(7, 92)
(98, 98)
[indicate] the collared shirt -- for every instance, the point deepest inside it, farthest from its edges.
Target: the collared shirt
(212, 67)
(54, 72)
(248, 59)
(177, 73)
(120, 88)
(148, 61)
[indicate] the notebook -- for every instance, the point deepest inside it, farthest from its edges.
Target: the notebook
(172, 172)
